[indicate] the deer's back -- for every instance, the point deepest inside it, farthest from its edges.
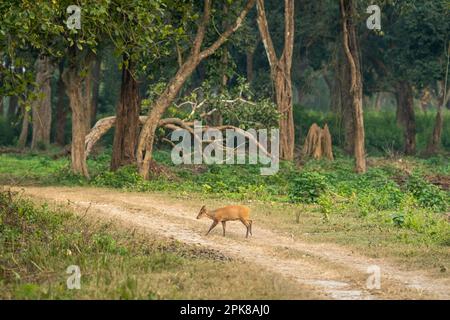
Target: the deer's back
(232, 213)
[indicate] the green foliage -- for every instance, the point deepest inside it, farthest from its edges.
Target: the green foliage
(7, 132)
(236, 105)
(124, 177)
(332, 188)
(398, 219)
(428, 195)
(307, 187)
(416, 40)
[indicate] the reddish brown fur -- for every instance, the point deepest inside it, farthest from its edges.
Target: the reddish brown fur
(228, 213)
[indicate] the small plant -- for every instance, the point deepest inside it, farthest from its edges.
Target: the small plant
(326, 203)
(398, 219)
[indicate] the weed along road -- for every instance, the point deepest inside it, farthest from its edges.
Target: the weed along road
(326, 269)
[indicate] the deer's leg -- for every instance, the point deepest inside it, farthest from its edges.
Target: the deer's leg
(212, 226)
(223, 227)
(247, 225)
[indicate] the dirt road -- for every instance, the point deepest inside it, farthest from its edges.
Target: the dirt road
(333, 271)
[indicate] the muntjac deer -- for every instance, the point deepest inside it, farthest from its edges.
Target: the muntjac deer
(229, 213)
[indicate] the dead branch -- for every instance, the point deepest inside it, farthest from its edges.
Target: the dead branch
(103, 125)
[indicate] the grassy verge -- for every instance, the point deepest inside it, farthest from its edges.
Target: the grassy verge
(38, 244)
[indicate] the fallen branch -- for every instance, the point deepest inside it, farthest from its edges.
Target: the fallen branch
(103, 125)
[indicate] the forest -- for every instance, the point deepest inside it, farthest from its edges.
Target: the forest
(328, 120)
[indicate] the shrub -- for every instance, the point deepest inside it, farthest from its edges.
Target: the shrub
(307, 187)
(125, 177)
(427, 194)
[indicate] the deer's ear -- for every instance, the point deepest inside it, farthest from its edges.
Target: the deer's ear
(204, 207)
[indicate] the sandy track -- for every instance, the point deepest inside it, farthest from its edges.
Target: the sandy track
(333, 271)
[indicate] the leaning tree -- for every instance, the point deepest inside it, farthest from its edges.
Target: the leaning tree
(164, 100)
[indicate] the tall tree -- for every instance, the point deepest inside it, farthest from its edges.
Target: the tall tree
(96, 73)
(21, 143)
(280, 69)
(141, 35)
(435, 141)
(127, 119)
(406, 115)
(147, 135)
(41, 107)
(351, 50)
(73, 81)
(61, 108)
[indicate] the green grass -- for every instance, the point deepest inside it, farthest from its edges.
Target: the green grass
(38, 244)
(394, 191)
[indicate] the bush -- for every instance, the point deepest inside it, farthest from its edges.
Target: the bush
(125, 177)
(427, 194)
(307, 187)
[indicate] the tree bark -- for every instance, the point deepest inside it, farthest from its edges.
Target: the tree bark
(21, 143)
(351, 50)
(87, 96)
(61, 109)
(41, 108)
(96, 72)
(74, 89)
(127, 120)
(280, 70)
(147, 135)
(435, 140)
(406, 116)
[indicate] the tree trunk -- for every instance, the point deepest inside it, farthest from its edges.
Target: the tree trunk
(283, 98)
(96, 71)
(435, 140)
(61, 109)
(378, 100)
(87, 97)
(147, 135)
(351, 49)
(344, 106)
(21, 143)
(281, 74)
(73, 82)
(41, 107)
(127, 120)
(406, 116)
